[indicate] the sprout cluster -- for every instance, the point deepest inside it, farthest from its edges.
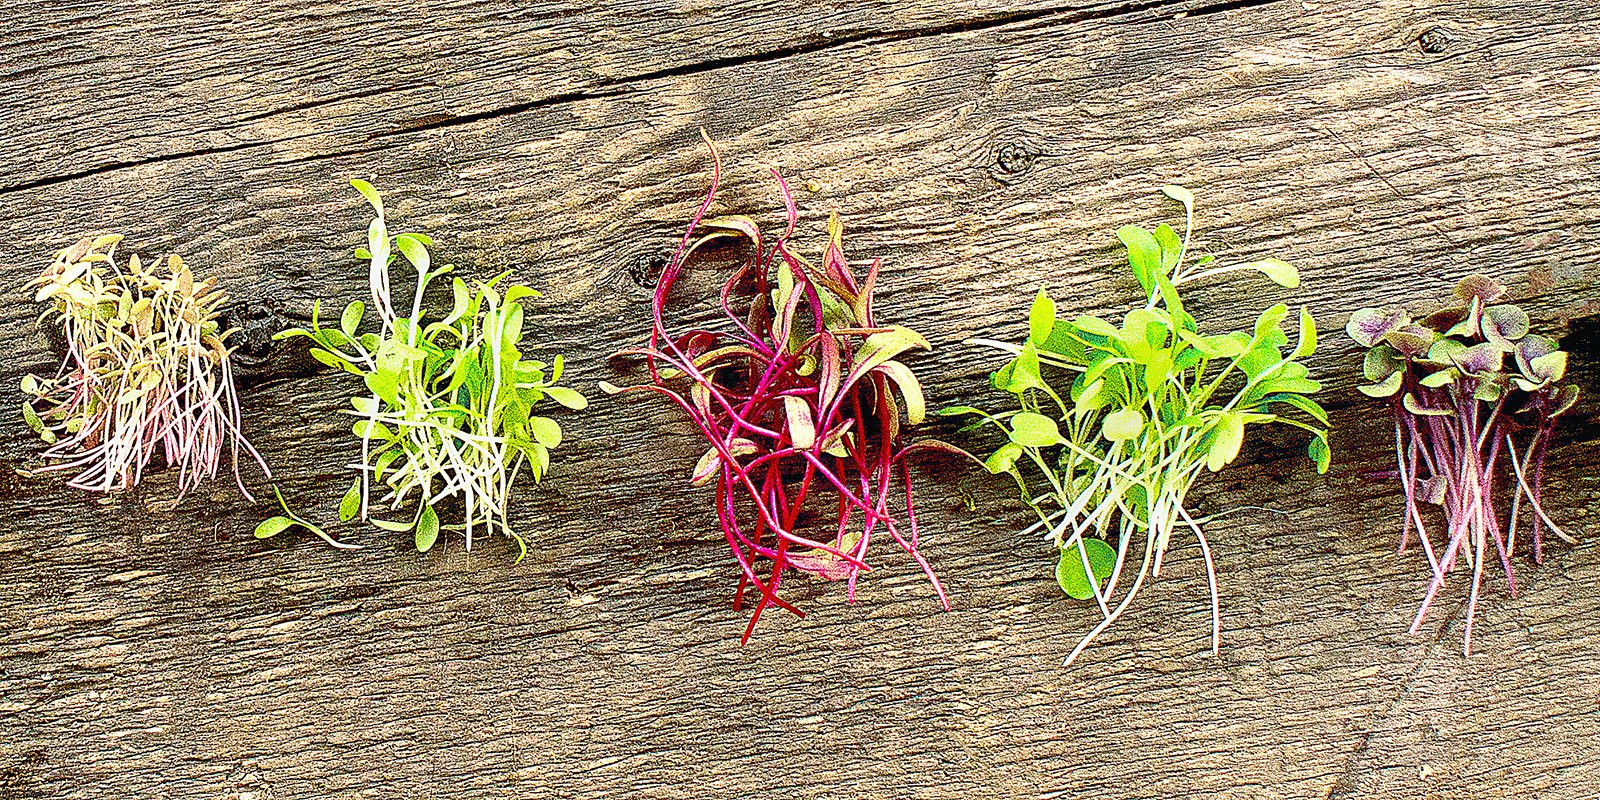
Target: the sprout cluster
(449, 408)
(147, 371)
(1475, 395)
(1117, 422)
(799, 398)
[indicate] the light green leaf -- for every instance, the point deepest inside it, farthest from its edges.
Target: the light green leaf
(427, 529)
(1435, 380)
(1320, 453)
(1171, 248)
(1004, 459)
(1041, 318)
(1034, 430)
(1090, 399)
(518, 292)
(1144, 254)
(567, 397)
(1181, 195)
(1268, 321)
(371, 194)
(1228, 438)
(1550, 366)
(880, 348)
(1307, 343)
(350, 504)
(1157, 367)
(272, 526)
(910, 390)
(351, 318)
(412, 248)
(334, 360)
(956, 411)
(385, 385)
(1415, 406)
(1384, 388)
(31, 416)
(1122, 425)
(369, 429)
(545, 431)
(1306, 404)
(1280, 272)
(1096, 325)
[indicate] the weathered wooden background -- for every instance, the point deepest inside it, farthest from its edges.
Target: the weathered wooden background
(982, 148)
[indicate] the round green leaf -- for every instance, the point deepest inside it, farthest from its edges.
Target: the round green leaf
(545, 431)
(1122, 424)
(1384, 388)
(351, 318)
(1069, 567)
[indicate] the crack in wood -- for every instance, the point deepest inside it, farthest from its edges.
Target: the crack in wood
(113, 166)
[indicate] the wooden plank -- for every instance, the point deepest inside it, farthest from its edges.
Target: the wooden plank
(318, 77)
(155, 651)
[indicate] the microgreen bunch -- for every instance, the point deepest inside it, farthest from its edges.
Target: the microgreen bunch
(1152, 405)
(147, 369)
(449, 409)
(799, 400)
(1465, 383)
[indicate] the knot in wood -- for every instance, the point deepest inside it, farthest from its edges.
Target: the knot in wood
(645, 269)
(1015, 158)
(1435, 40)
(256, 323)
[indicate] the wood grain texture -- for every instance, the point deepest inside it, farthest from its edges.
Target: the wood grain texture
(982, 149)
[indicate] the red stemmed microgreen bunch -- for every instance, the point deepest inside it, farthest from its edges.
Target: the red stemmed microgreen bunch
(147, 371)
(1475, 398)
(799, 398)
(448, 409)
(1115, 423)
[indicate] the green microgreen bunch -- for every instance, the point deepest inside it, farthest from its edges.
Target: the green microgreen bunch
(147, 369)
(449, 408)
(1115, 424)
(1465, 383)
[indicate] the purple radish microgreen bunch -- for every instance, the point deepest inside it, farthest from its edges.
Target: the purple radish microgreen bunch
(147, 372)
(1475, 398)
(799, 398)
(1114, 424)
(448, 412)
